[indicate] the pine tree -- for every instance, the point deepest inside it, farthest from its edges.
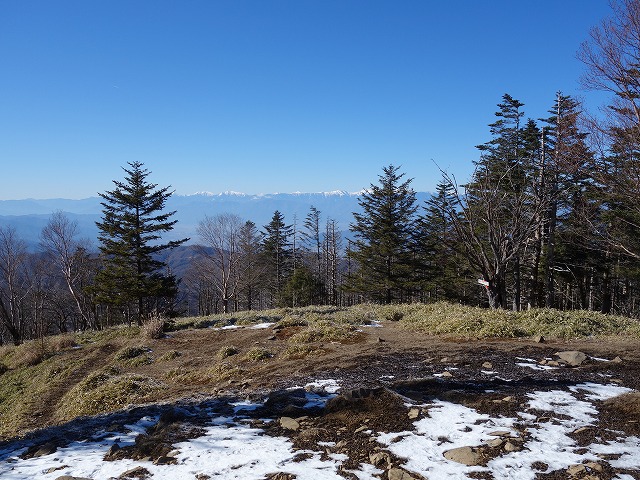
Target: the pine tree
(383, 247)
(129, 233)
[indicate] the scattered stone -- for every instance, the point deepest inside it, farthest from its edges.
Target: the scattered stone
(36, 451)
(202, 476)
(573, 358)
(464, 455)
(272, 337)
(553, 363)
(616, 360)
(582, 429)
(496, 442)
(413, 413)
(511, 447)
(508, 399)
(539, 339)
(398, 474)
(594, 466)
(361, 429)
(113, 449)
(487, 365)
(289, 423)
(381, 340)
(137, 472)
(444, 359)
(70, 477)
(379, 459)
(165, 460)
(447, 374)
(574, 470)
(54, 469)
(280, 476)
(500, 433)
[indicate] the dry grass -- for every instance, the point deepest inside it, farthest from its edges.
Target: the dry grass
(170, 355)
(472, 322)
(133, 356)
(153, 329)
(257, 354)
(227, 351)
(203, 376)
(298, 351)
(106, 391)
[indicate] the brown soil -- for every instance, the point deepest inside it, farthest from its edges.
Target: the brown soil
(384, 367)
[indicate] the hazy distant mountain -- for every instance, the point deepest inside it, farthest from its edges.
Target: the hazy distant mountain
(29, 216)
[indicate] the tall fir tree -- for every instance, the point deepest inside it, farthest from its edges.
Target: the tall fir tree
(383, 246)
(129, 233)
(440, 268)
(277, 249)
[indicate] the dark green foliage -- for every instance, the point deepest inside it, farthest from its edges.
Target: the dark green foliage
(383, 246)
(440, 268)
(131, 227)
(277, 252)
(302, 289)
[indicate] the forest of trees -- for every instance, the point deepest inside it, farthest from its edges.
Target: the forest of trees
(550, 217)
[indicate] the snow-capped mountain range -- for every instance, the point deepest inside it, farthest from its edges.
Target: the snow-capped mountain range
(30, 215)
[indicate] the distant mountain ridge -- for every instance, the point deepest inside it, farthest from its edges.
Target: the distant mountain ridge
(30, 215)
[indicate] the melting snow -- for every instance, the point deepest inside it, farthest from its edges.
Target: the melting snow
(231, 449)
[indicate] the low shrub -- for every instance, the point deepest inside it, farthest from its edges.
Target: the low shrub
(153, 329)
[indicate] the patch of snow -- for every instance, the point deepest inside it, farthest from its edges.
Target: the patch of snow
(535, 366)
(260, 326)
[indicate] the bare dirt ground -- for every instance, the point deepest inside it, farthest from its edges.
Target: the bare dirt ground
(378, 371)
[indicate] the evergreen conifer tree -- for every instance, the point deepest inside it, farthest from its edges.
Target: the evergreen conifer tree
(277, 251)
(129, 233)
(383, 246)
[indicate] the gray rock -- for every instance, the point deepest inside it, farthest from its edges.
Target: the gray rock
(380, 459)
(573, 358)
(40, 450)
(136, 472)
(487, 365)
(464, 455)
(70, 477)
(289, 423)
(511, 447)
(413, 413)
(538, 339)
(398, 474)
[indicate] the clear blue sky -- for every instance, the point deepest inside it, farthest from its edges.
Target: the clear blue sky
(268, 96)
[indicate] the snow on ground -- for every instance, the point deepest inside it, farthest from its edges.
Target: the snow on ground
(231, 449)
(450, 425)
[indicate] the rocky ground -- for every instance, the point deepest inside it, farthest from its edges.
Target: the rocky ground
(390, 404)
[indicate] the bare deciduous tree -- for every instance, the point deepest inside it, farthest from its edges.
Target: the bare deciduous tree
(221, 253)
(494, 221)
(13, 283)
(58, 240)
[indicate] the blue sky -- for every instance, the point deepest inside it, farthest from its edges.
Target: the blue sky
(270, 96)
